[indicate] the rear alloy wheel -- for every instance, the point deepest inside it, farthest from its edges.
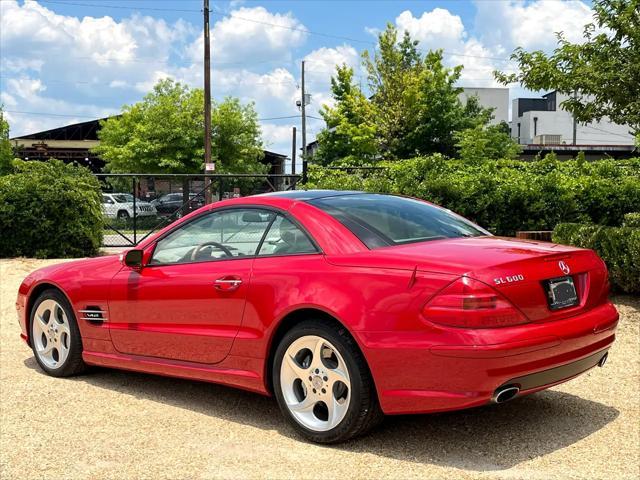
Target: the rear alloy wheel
(55, 338)
(323, 384)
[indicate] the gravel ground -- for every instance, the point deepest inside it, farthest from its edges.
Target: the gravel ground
(110, 424)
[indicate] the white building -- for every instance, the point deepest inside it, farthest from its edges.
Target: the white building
(495, 98)
(541, 121)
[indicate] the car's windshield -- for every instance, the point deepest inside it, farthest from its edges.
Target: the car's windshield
(382, 220)
(123, 198)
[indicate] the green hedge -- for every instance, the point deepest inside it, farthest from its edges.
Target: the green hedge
(619, 247)
(631, 220)
(505, 196)
(49, 210)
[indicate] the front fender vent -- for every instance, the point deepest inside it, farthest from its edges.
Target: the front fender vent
(93, 314)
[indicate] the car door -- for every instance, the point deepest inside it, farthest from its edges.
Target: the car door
(187, 303)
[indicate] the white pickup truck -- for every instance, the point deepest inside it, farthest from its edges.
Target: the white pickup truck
(120, 205)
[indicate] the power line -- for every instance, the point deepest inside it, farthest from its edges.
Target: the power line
(278, 118)
(607, 131)
(261, 22)
(45, 114)
(69, 115)
(271, 24)
(109, 84)
(236, 82)
(162, 62)
(117, 7)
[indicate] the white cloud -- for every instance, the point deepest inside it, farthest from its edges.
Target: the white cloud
(83, 64)
(60, 64)
(25, 87)
(278, 136)
(435, 29)
(531, 25)
(439, 29)
(321, 66)
(26, 94)
(118, 84)
(323, 61)
(499, 28)
(147, 85)
(251, 35)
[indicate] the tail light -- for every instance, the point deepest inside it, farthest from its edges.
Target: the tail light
(469, 303)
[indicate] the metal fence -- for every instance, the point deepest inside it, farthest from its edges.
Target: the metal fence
(137, 205)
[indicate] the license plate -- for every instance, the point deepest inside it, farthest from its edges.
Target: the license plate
(561, 293)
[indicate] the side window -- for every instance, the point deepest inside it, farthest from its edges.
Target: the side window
(106, 199)
(284, 238)
(215, 236)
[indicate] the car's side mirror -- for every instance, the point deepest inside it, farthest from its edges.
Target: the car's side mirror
(133, 259)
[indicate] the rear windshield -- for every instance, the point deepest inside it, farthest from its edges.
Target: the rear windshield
(382, 220)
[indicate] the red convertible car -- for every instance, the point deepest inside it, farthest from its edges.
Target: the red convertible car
(344, 305)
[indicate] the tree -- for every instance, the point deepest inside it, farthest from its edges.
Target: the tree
(486, 143)
(393, 73)
(439, 111)
(6, 152)
(601, 75)
(350, 134)
(417, 103)
(414, 106)
(164, 134)
(236, 138)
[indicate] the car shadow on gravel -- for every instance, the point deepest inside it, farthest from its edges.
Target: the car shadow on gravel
(494, 437)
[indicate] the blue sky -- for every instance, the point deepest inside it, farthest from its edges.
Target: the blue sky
(64, 61)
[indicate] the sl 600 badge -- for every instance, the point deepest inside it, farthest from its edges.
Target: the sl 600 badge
(508, 279)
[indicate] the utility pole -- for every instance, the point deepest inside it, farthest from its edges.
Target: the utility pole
(304, 129)
(575, 124)
(293, 151)
(207, 103)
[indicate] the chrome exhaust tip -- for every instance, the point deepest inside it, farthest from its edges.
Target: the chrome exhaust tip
(603, 360)
(504, 394)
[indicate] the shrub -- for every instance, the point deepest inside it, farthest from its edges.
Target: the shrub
(48, 210)
(505, 195)
(631, 220)
(619, 247)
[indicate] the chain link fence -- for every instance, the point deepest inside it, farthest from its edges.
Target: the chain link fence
(137, 205)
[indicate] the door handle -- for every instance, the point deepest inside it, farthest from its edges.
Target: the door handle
(227, 284)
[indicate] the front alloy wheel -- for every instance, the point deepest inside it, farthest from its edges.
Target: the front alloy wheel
(322, 383)
(51, 333)
(54, 335)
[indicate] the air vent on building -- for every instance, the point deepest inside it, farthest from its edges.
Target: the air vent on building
(547, 139)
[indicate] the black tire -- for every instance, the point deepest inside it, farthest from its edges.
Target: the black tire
(123, 215)
(73, 364)
(363, 413)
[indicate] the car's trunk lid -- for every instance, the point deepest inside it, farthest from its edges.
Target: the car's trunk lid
(516, 268)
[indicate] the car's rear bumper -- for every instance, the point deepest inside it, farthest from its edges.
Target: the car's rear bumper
(415, 375)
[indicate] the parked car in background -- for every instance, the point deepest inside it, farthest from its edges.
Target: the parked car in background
(120, 205)
(173, 202)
